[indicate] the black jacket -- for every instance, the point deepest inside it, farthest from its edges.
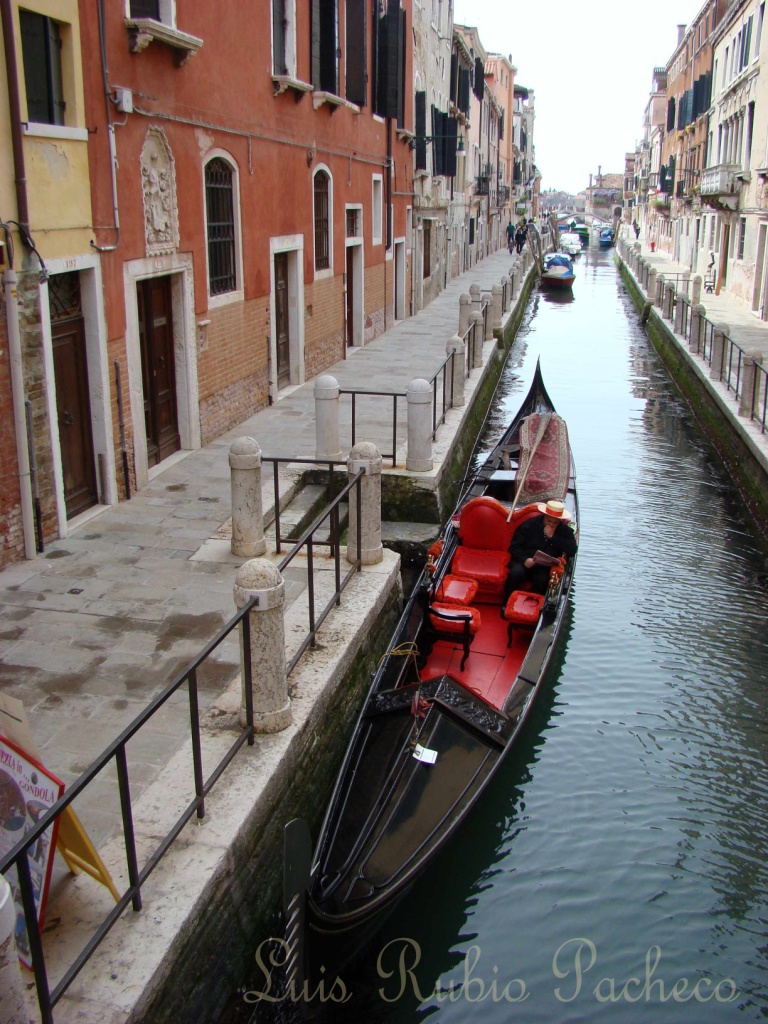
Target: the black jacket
(529, 538)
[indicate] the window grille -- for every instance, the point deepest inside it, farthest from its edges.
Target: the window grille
(64, 295)
(145, 9)
(353, 223)
(220, 212)
(322, 222)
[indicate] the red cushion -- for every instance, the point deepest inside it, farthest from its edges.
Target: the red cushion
(523, 608)
(455, 624)
(483, 524)
(489, 568)
(456, 590)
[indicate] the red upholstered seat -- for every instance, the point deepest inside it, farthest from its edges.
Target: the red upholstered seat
(455, 622)
(523, 608)
(456, 590)
(489, 568)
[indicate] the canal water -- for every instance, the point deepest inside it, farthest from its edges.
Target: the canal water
(617, 870)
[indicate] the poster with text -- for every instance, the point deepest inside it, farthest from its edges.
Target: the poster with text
(27, 791)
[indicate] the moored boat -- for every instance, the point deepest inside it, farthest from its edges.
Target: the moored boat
(570, 243)
(606, 238)
(447, 701)
(557, 271)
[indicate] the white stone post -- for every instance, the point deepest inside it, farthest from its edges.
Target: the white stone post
(718, 345)
(365, 456)
(477, 301)
(476, 338)
(495, 319)
(418, 394)
(669, 297)
(465, 307)
(749, 390)
(658, 298)
(685, 284)
(247, 516)
(512, 283)
(488, 316)
(696, 289)
(651, 289)
(269, 684)
(458, 352)
(506, 293)
(681, 300)
(697, 312)
(13, 1009)
(327, 418)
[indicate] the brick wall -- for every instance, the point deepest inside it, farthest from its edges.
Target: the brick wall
(323, 325)
(11, 535)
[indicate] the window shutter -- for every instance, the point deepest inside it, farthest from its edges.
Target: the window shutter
(401, 43)
(323, 43)
(671, 114)
(501, 126)
(356, 52)
(279, 66)
(145, 9)
(451, 130)
(479, 83)
(471, 230)
(421, 131)
(388, 59)
(453, 94)
(314, 30)
(465, 89)
(437, 142)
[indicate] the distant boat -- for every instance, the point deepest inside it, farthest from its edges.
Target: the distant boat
(570, 243)
(557, 271)
(581, 229)
(606, 238)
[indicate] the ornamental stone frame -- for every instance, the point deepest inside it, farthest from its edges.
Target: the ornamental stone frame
(158, 188)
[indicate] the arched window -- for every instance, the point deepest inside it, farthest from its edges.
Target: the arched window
(220, 222)
(322, 221)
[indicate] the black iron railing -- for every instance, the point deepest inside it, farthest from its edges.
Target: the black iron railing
(115, 753)
(360, 393)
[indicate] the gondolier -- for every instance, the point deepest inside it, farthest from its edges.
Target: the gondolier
(548, 533)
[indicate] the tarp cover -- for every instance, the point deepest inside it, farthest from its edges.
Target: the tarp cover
(557, 260)
(549, 472)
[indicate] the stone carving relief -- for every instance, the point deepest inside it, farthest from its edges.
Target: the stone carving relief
(158, 186)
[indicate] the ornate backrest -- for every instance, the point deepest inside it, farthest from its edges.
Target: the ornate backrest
(483, 524)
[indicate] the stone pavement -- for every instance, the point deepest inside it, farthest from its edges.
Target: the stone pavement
(96, 626)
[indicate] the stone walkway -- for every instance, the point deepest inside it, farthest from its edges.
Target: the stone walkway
(97, 625)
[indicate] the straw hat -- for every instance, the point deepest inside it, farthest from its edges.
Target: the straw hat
(556, 509)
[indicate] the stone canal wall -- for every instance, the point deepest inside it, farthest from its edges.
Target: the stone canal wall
(717, 413)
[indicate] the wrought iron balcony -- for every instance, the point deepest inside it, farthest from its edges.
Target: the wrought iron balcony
(482, 185)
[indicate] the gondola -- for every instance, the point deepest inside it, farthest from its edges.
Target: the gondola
(446, 703)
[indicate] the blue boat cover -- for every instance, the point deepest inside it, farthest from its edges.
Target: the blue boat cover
(558, 260)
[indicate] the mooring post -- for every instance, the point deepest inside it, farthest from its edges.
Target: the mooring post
(506, 293)
(696, 289)
(495, 319)
(477, 336)
(247, 515)
(418, 395)
(365, 456)
(679, 307)
(749, 390)
(457, 349)
(13, 1009)
(465, 307)
(697, 315)
(651, 287)
(326, 392)
(669, 298)
(269, 683)
(477, 301)
(718, 346)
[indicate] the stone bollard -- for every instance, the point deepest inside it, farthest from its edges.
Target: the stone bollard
(327, 418)
(365, 456)
(497, 298)
(418, 394)
(750, 392)
(476, 339)
(685, 285)
(247, 516)
(658, 299)
(669, 298)
(488, 316)
(506, 293)
(13, 1009)
(679, 310)
(696, 290)
(651, 289)
(465, 308)
(477, 302)
(697, 314)
(457, 349)
(718, 346)
(269, 683)
(512, 284)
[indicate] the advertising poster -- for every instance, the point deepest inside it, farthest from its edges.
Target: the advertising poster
(27, 791)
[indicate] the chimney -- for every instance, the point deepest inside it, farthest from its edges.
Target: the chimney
(680, 33)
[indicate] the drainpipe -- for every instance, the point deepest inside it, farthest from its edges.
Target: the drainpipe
(10, 282)
(110, 129)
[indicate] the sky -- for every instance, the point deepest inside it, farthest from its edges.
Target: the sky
(591, 67)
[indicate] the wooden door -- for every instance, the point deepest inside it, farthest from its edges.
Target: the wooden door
(73, 407)
(281, 320)
(158, 368)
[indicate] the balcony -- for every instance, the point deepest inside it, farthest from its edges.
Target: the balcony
(720, 186)
(482, 185)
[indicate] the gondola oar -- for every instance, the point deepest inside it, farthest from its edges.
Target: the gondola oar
(543, 424)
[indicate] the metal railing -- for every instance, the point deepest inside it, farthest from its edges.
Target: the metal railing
(276, 463)
(394, 395)
(116, 752)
